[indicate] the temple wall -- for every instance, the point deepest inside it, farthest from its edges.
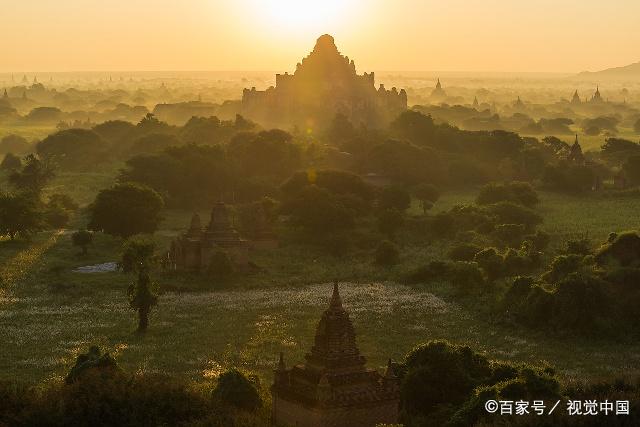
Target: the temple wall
(290, 414)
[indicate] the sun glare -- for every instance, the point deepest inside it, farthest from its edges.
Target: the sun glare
(302, 15)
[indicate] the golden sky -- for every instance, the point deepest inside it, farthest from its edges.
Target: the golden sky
(406, 35)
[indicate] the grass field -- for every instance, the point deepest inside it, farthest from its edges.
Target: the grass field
(48, 314)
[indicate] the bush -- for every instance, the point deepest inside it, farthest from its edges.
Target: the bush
(539, 240)
(435, 270)
(467, 276)
(511, 213)
(390, 221)
(491, 262)
(125, 210)
(93, 360)
(622, 249)
(509, 234)
(394, 198)
(516, 192)
(562, 266)
(236, 390)
(580, 246)
(220, 265)
(82, 238)
(387, 253)
(463, 252)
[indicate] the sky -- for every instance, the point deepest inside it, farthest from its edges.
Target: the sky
(273, 35)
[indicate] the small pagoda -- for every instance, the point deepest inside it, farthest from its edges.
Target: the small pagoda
(334, 387)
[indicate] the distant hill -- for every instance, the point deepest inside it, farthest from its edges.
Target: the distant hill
(628, 72)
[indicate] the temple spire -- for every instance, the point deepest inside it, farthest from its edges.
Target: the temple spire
(281, 365)
(336, 301)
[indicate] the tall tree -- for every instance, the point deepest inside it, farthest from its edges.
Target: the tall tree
(137, 258)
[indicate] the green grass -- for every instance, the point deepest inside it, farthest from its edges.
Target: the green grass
(48, 314)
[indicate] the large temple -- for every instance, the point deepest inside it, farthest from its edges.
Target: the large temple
(333, 388)
(324, 84)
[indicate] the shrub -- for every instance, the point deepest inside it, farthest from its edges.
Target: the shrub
(464, 252)
(562, 266)
(467, 276)
(509, 234)
(82, 238)
(220, 265)
(390, 221)
(435, 270)
(581, 246)
(94, 359)
(511, 213)
(236, 390)
(516, 192)
(490, 262)
(623, 249)
(394, 198)
(387, 253)
(539, 240)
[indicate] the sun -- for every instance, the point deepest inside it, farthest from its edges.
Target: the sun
(310, 16)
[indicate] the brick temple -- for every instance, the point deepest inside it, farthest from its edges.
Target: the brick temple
(333, 388)
(193, 250)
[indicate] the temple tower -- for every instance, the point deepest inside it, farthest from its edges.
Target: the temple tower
(333, 388)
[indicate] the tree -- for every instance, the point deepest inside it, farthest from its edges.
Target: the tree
(387, 253)
(33, 176)
(73, 148)
(318, 211)
(427, 194)
(14, 144)
(93, 360)
(390, 221)
(82, 238)
(11, 162)
(631, 169)
(636, 126)
(19, 214)
(126, 209)
(236, 390)
(394, 198)
(137, 257)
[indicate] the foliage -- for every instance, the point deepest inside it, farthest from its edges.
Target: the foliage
(511, 213)
(137, 254)
(387, 253)
(390, 221)
(220, 265)
(510, 235)
(463, 252)
(394, 198)
(516, 192)
(623, 250)
(318, 211)
(428, 194)
(142, 297)
(267, 153)
(11, 162)
(125, 209)
(491, 262)
(73, 148)
(93, 360)
(82, 238)
(631, 169)
(19, 215)
(236, 390)
(33, 176)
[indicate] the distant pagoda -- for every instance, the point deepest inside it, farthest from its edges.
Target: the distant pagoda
(324, 83)
(576, 98)
(597, 98)
(438, 93)
(334, 387)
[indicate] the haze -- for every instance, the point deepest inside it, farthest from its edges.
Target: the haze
(408, 35)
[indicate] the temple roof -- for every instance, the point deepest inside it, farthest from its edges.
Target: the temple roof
(335, 347)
